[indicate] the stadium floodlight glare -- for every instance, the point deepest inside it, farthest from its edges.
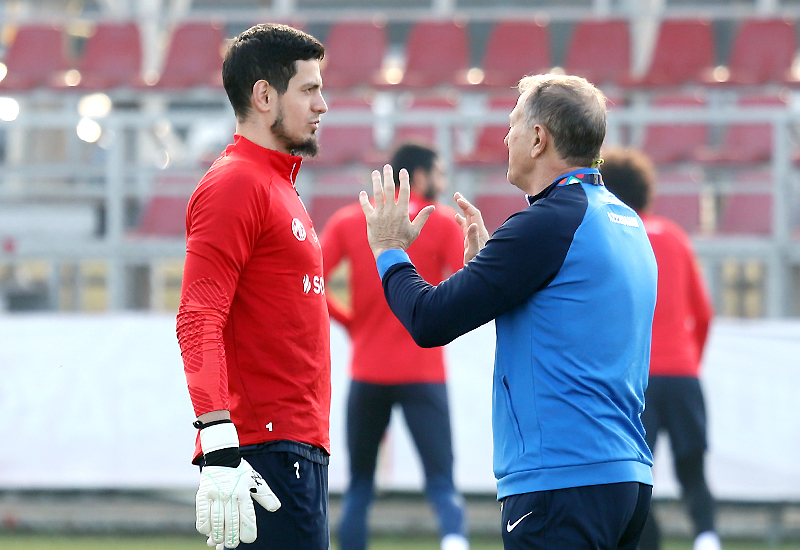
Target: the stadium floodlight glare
(89, 130)
(3, 71)
(721, 73)
(151, 77)
(94, 106)
(9, 109)
(72, 77)
(475, 76)
(393, 75)
(162, 160)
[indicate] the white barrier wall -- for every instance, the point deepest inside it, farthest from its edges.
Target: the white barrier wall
(101, 402)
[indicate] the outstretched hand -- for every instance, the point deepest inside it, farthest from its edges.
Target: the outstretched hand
(388, 224)
(475, 233)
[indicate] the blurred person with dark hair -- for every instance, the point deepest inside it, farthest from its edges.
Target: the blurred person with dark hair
(674, 399)
(392, 369)
(570, 282)
(253, 325)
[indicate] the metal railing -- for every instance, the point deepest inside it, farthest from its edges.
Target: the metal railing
(123, 172)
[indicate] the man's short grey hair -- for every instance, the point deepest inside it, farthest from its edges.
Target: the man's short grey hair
(572, 110)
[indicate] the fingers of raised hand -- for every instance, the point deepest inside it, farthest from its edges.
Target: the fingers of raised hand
(404, 191)
(363, 199)
(377, 190)
(422, 217)
(462, 221)
(388, 183)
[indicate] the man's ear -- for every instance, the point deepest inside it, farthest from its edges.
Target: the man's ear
(539, 140)
(263, 96)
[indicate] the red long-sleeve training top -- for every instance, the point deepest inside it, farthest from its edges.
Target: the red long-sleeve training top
(683, 308)
(253, 325)
(383, 351)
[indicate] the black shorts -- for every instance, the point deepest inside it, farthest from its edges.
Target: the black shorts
(578, 518)
(298, 475)
(675, 404)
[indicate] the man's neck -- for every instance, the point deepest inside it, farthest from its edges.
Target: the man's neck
(259, 134)
(548, 175)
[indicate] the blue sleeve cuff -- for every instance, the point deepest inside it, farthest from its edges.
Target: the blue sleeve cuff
(389, 258)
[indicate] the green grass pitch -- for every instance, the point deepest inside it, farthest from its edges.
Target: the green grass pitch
(66, 542)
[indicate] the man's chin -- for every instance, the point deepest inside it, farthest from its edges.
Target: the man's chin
(308, 148)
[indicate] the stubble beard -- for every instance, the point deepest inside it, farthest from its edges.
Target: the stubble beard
(308, 147)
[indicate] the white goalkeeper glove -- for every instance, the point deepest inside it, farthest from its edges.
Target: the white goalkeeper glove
(228, 486)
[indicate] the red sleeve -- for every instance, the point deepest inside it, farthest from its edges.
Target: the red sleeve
(699, 302)
(333, 251)
(223, 223)
(453, 243)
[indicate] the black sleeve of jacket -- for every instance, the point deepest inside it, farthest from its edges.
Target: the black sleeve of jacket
(523, 256)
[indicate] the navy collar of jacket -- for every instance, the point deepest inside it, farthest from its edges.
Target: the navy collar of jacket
(582, 175)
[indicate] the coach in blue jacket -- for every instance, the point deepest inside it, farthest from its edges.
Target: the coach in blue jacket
(571, 284)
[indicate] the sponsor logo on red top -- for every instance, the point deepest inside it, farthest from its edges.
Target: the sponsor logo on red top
(298, 229)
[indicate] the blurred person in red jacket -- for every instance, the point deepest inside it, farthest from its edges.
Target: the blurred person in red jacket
(392, 369)
(674, 399)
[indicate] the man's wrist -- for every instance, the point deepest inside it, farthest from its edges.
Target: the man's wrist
(220, 444)
(387, 244)
(390, 257)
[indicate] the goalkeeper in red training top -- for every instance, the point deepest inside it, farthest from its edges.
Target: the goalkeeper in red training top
(674, 399)
(253, 324)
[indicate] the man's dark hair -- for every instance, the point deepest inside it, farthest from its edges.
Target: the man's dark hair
(630, 175)
(265, 52)
(412, 157)
(572, 110)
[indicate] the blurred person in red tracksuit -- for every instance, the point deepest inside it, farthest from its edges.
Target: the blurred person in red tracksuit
(400, 372)
(674, 399)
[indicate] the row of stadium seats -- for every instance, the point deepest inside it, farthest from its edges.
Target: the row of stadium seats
(111, 58)
(744, 209)
(763, 51)
(740, 144)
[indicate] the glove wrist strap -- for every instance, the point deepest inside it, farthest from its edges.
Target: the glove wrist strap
(229, 457)
(220, 445)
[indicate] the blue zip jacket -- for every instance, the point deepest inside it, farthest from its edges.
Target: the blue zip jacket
(571, 283)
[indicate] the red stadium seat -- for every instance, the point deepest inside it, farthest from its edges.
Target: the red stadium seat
(490, 147)
(437, 54)
(682, 209)
(670, 143)
(747, 143)
(334, 190)
(746, 214)
(163, 216)
(600, 52)
(497, 207)
(353, 55)
(747, 208)
(515, 49)
(194, 57)
(684, 53)
(421, 132)
(36, 57)
(346, 144)
(762, 52)
(325, 206)
(112, 57)
(678, 198)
